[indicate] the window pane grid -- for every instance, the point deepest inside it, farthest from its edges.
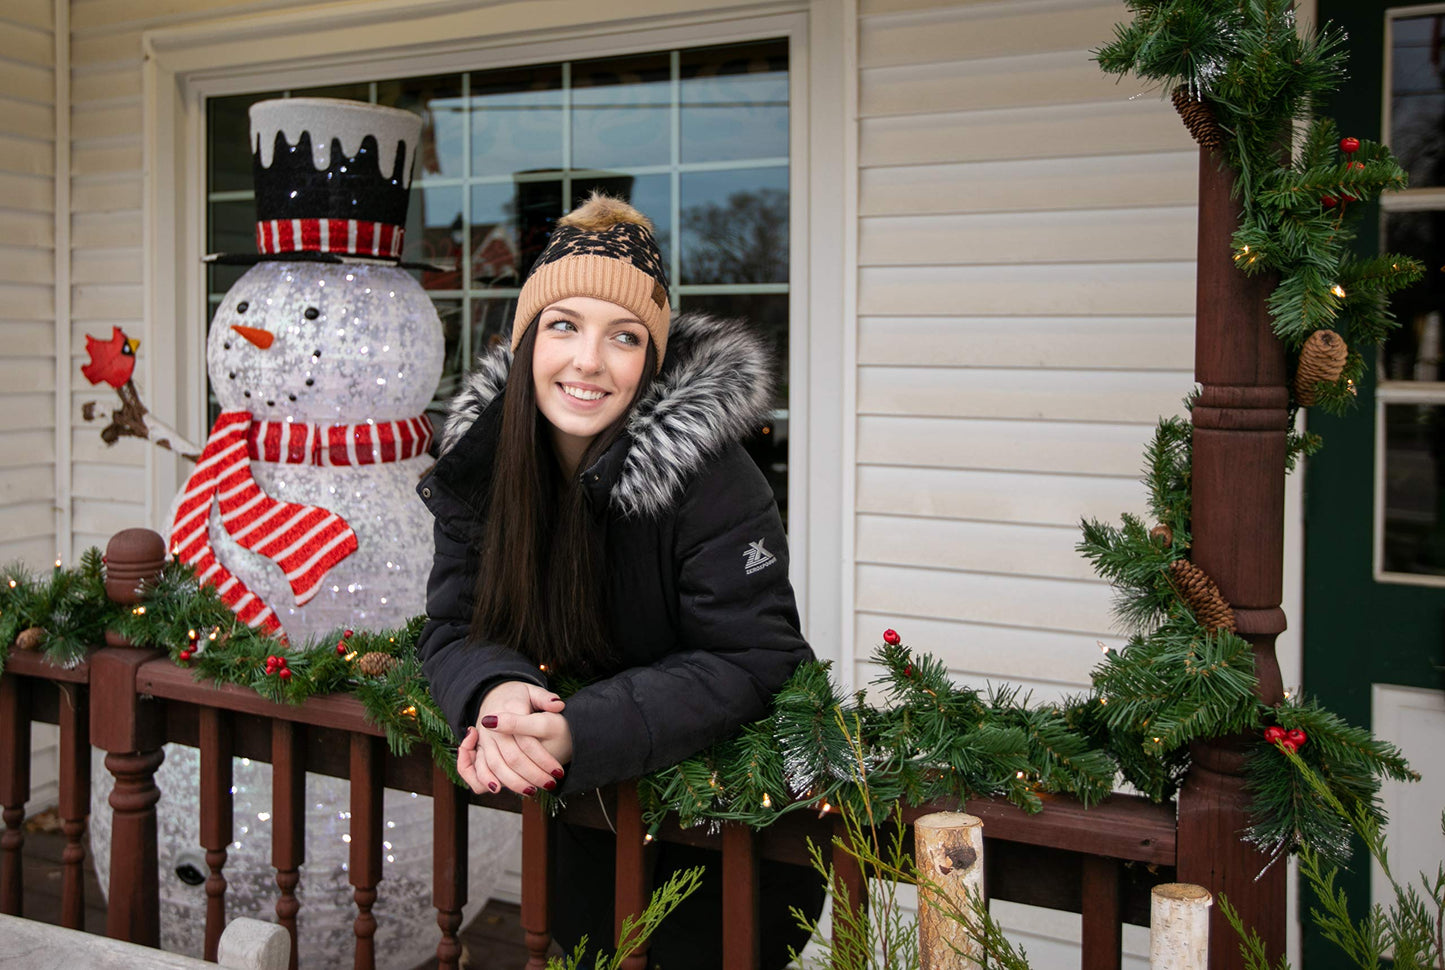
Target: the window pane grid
(571, 120)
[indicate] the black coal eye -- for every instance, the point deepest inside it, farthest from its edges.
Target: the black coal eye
(310, 381)
(232, 375)
(226, 345)
(312, 313)
(247, 393)
(242, 307)
(316, 354)
(291, 396)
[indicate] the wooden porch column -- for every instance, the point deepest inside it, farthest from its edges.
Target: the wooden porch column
(131, 732)
(1238, 525)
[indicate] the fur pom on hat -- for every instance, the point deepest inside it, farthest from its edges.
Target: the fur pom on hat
(603, 212)
(604, 249)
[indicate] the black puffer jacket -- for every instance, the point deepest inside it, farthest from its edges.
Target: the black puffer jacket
(701, 611)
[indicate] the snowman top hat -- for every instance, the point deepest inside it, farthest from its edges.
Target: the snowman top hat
(332, 179)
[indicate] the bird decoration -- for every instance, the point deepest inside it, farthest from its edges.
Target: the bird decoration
(113, 362)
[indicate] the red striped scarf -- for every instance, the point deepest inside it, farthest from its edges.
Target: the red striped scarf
(305, 541)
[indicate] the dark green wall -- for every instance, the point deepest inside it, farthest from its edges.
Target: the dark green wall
(1357, 632)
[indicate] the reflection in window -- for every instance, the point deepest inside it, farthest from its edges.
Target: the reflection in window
(1414, 540)
(697, 139)
(1413, 352)
(1417, 98)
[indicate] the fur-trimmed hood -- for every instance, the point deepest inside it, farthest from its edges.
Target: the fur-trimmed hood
(715, 388)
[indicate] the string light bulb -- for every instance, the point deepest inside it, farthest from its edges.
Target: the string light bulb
(138, 611)
(13, 584)
(767, 802)
(57, 563)
(1338, 291)
(409, 710)
(647, 839)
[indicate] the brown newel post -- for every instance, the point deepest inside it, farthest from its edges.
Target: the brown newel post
(131, 732)
(1238, 527)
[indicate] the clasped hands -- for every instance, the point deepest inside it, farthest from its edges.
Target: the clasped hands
(520, 742)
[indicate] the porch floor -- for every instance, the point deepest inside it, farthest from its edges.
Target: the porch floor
(492, 941)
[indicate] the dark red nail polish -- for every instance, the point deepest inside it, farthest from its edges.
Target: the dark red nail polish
(490, 721)
(529, 790)
(492, 786)
(558, 773)
(550, 786)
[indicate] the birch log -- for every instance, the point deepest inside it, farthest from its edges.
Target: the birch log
(1179, 927)
(949, 850)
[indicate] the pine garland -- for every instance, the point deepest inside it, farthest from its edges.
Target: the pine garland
(1263, 83)
(1174, 683)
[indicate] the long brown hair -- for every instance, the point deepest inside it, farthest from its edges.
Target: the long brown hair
(539, 586)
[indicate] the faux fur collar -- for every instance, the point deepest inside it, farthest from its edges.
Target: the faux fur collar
(715, 388)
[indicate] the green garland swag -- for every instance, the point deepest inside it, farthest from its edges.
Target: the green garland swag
(1263, 81)
(1174, 683)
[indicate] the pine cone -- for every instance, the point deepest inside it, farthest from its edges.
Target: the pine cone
(1202, 596)
(31, 638)
(1162, 534)
(1321, 360)
(375, 663)
(1199, 119)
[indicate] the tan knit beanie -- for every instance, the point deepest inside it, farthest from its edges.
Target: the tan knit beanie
(604, 249)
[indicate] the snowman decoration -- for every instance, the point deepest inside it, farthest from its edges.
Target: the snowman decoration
(302, 510)
(323, 356)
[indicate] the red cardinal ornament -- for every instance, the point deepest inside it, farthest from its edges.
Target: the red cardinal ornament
(111, 361)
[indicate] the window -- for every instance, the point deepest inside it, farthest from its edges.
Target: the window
(696, 138)
(1410, 400)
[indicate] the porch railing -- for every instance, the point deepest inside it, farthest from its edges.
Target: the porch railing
(128, 702)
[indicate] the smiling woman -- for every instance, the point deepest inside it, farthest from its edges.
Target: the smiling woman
(598, 519)
(586, 364)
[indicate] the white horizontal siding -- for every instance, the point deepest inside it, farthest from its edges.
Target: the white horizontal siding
(27, 284)
(1026, 244)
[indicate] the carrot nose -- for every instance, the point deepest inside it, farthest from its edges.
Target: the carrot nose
(261, 338)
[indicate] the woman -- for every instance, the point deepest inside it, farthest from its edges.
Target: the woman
(597, 518)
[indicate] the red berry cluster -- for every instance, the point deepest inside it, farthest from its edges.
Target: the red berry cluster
(341, 646)
(1349, 146)
(892, 638)
(277, 666)
(189, 650)
(1291, 740)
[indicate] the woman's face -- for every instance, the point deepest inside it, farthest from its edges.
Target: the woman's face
(586, 364)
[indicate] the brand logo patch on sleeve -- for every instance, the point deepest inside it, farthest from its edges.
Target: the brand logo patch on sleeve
(757, 558)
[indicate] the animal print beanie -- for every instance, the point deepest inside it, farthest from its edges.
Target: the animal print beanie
(604, 249)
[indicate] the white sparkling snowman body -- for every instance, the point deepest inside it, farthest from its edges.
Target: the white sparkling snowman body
(345, 344)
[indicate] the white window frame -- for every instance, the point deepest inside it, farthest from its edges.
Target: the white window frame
(185, 65)
(1388, 392)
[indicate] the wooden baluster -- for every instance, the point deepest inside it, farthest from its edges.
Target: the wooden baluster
(631, 885)
(74, 806)
(14, 789)
(1102, 935)
(741, 937)
(847, 884)
(288, 819)
(449, 863)
(216, 817)
(365, 871)
(131, 732)
(536, 882)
